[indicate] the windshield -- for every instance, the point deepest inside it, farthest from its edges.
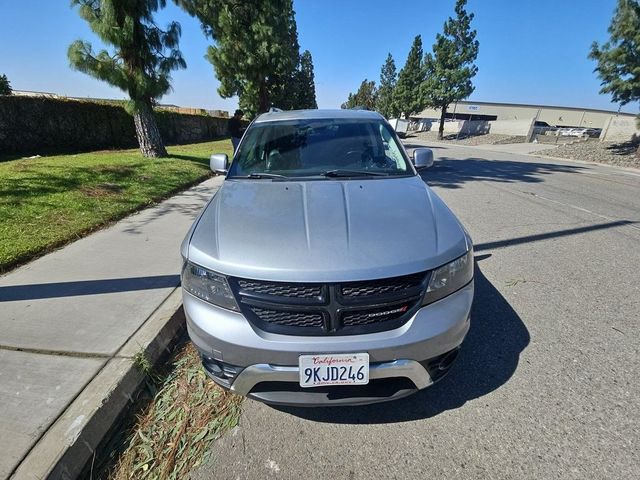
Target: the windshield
(330, 148)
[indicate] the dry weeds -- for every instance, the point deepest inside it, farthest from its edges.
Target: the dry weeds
(174, 433)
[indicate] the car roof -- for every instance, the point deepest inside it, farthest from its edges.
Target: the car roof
(317, 114)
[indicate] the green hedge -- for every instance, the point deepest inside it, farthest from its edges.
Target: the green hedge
(38, 125)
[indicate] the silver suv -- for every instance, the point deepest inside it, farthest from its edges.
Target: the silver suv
(324, 270)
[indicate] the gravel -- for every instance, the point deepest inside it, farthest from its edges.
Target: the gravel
(592, 150)
(488, 139)
(621, 154)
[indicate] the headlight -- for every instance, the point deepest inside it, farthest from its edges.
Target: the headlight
(208, 286)
(449, 278)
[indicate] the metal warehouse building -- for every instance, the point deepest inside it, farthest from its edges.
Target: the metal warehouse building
(555, 116)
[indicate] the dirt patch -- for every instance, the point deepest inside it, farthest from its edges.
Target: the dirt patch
(119, 169)
(102, 190)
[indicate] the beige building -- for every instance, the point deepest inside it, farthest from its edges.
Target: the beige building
(554, 116)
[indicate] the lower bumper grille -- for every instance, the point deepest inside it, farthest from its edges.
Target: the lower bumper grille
(330, 309)
(290, 393)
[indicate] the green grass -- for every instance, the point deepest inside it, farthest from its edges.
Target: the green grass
(49, 201)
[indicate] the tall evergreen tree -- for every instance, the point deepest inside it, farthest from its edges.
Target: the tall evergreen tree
(365, 97)
(284, 86)
(306, 88)
(5, 86)
(619, 58)
(143, 58)
(407, 95)
(255, 51)
(450, 68)
(385, 103)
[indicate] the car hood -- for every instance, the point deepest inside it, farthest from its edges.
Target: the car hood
(326, 230)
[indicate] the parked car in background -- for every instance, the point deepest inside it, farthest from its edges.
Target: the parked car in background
(543, 128)
(325, 271)
(572, 132)
(580, 132)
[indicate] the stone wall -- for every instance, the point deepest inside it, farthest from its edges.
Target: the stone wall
(512, 127)
(38, 125)
(475, 127)
(481, 127)
(620, 129)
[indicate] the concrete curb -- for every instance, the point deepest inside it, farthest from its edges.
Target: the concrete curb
(69, 444)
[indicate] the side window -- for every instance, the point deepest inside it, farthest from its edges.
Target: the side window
(392, 151)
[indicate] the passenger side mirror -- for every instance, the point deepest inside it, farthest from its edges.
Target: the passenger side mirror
(422, 158)
(219, 163)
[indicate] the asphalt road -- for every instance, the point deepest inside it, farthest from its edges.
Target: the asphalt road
(546, 385)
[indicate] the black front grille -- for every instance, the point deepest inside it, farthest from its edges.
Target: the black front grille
(292, 319)
(296, 290)
(330, 309)
(391, 285)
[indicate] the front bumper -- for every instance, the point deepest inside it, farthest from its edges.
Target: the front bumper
(259, 362)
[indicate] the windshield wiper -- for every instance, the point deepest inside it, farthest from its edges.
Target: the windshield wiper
(261, 175)
(352, 173)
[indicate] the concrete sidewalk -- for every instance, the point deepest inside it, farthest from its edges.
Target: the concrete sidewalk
(77, 314)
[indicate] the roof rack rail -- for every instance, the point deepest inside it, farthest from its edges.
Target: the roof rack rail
(274, 109)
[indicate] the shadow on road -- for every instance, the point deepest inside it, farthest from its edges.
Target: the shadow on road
(488, 359)
(454, 173)
(555, 234)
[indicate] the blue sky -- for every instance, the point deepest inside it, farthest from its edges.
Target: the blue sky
(530, 51)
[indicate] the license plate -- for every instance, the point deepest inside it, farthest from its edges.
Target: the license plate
(334, 369)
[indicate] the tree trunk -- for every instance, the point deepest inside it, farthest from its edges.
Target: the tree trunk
(149, 139)
(264, 100)
(441, 129)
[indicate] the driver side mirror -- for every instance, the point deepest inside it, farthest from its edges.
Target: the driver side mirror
(219, 163)
(422, 158)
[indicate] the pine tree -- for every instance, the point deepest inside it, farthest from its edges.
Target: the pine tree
(406, 94)
(619, 58)
(256, 50)
(306, 88)
(284, 86)
(365, 97)
(385, 103)
(450, 68)
(143, 58)
(5, 86)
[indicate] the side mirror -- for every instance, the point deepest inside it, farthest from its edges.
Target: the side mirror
(219, 163)
(422, 158)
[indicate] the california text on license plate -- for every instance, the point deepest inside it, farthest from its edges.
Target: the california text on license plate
(334, 369)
